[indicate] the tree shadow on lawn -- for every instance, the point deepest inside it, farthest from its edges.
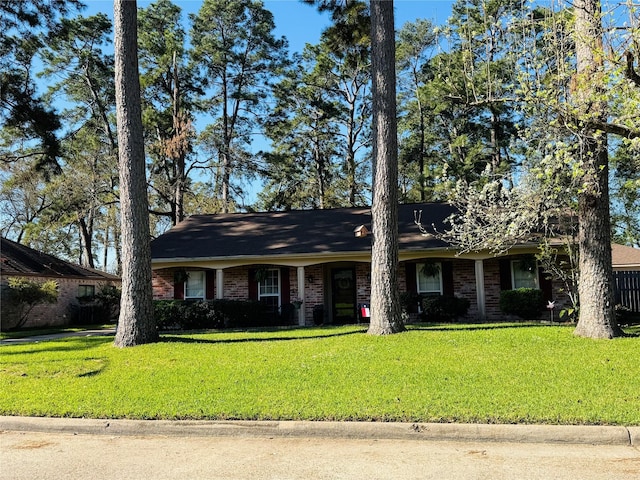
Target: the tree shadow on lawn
(179, 338)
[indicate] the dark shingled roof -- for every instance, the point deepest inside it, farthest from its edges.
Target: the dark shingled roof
(17, 259)
(291, 232)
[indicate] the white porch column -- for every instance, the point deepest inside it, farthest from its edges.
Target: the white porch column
(301, 296)
(480, 293)
(219, 283)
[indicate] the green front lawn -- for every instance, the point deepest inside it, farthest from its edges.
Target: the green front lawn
(499, 373)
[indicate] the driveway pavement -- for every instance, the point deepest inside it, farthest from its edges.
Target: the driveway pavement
(55, 336)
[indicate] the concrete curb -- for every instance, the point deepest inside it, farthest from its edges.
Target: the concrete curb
(571, 434)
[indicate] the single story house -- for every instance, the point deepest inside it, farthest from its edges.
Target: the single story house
(319, 260)
(76, 286)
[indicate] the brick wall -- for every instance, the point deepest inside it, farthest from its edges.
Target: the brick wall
(162, 281)
(236, 286)
(464, 284)
(492, 289)
(314, 291)
(65, 311)
(236, 283)
(363, 282)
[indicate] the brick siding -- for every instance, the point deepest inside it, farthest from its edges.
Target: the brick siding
(67, 310)
(464, 286)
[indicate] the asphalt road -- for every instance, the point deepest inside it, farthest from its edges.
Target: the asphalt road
(69, 456)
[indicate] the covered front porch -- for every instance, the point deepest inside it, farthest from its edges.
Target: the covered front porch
(322, 288)
(313, 292)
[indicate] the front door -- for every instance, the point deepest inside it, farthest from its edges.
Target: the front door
(343, 289)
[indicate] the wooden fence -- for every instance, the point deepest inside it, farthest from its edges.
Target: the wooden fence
(628, 289)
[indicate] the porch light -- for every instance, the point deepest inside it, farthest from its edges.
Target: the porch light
(310, 279)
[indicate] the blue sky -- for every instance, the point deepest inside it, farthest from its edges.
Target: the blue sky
(301, 23)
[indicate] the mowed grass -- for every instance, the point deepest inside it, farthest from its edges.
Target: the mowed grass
(465, 373)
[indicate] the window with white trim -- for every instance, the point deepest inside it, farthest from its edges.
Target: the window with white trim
(429, 278)
(269, 289)
(194, 285)
(524, 274)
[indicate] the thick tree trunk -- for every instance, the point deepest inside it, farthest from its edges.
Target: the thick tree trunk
(86, 242)
(136, 324)
(385, 305)
(180, 146)
(595, 288)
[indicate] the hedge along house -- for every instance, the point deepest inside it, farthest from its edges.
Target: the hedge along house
(76, 287)
(318, 261)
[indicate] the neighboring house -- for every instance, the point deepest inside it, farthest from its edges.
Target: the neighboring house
(625, 258)
(76, 286)
(626, 272)
(315, 257)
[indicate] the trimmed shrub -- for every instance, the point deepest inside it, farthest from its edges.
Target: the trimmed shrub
(443, 308)
(220, 313)
(409, 302)
(186, 315)
(526, 303)
(108, 299)
(200, 314)
(239, 313)
(625, 316)
(168, 314)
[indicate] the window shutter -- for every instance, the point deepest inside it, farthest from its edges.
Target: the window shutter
(447, 279)
(546, 285)
(178, 290)
(285, 286)
(210, 284)
(505, 274)
(253, 285)
(412, 285)
(410, 273)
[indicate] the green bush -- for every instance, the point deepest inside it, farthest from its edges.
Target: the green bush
(526, 303)
(200, 314)
(209, 314)
(108, 299)
(186, 315)
(409, 302)
(24, 295)
(443, 308)
(626, 316)
(168, 314)
(240, 313)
